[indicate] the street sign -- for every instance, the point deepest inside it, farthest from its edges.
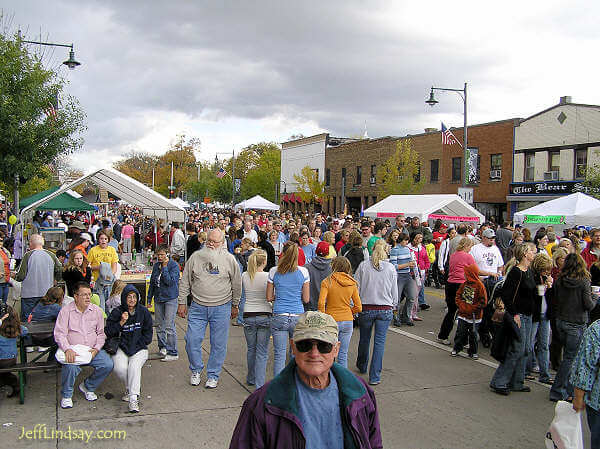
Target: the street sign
(171, 187)
(206, 199)
(466, 193)
(551, 219)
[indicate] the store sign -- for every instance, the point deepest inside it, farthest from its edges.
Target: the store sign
(550, 219)
(466, 193)
(551, 188)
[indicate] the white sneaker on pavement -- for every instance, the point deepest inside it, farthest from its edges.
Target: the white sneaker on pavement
(444, 341)
(30, 349)
(195, 379)
(125, 397)
(134, 405)
(66, 403)
(42, 348)
(89, 395)
(211, 383)
(163, 352)
(169, 358)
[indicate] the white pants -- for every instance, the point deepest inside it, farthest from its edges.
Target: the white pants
(129, 369)
(126, 245)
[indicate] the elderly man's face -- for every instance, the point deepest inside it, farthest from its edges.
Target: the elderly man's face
(82, 298)
(214, 239)
(314, 363)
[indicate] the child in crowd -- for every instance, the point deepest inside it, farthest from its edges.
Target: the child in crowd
(471, 299)
(115, 296)
(10, 329)
(47, 310)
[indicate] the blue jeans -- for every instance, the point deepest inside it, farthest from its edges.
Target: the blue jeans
(380, 320)
(539, 348)
(27, 305)
(102, 364)
(4, 286)
(511, 373)
(408, 286)
(282, 329)
(217, 318)
(570, 335)
(242, 303)
(344, 335)
(593, 419)
(103, 292)
(257, 330)
(166, 333)
(422, 294)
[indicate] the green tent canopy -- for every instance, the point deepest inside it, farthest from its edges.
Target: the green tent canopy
(64, 201)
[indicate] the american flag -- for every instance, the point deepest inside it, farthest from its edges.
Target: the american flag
(447, 137)
(51, 112)
(221, 172)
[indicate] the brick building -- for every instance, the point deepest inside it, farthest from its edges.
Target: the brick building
(441, 166)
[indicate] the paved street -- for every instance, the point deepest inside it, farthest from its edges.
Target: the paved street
(426, 400)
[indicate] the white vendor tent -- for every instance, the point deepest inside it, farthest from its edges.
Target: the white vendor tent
(570, 210)
(447, 207)
(257, 202)
(181, 203)
(153, 204)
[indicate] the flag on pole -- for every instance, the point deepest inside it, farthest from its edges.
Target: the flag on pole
(221, 173)
(51, 110)
(447, 137)
(362, 209)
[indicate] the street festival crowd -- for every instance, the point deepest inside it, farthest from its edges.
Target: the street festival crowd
(304, 282)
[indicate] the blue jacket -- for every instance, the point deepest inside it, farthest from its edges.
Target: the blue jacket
(136, 333)
(167, 287)
(8, 346)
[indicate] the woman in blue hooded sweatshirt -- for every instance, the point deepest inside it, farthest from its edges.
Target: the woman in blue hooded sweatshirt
(133, 323)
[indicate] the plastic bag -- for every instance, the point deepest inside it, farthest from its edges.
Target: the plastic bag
(565, 429)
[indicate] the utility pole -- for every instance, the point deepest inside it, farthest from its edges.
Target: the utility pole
(172, 186)
(233, 178)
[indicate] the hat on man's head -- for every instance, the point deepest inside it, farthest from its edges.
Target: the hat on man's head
(79, 225)
(489, 233)
(86, 236)
(316, 326)
(322, 249)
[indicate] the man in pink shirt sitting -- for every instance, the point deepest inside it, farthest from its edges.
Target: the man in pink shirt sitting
(81, 323)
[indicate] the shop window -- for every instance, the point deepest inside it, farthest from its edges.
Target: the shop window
(456, 169)
(434, 171)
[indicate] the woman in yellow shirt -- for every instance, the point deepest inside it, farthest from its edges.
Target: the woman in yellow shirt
(339, 298)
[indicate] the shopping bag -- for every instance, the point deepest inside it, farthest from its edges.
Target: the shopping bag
(565, 429)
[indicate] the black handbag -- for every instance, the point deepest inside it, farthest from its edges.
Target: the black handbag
(111, 345)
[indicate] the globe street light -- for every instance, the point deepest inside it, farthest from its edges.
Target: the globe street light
(463, 94)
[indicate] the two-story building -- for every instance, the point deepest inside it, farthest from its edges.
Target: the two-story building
(553, 150)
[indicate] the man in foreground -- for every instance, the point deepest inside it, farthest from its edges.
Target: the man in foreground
(312, 403)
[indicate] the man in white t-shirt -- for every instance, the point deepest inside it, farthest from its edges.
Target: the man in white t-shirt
(487, 256)
(249, 232)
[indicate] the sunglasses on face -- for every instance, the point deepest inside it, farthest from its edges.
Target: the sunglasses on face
(307, 345)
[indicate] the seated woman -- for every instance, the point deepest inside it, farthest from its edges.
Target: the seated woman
(47, 310)
(131, 322)
(10, 329)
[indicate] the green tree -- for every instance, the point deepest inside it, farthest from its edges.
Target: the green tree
(401, 173)
(263, 179)
(592, 181)
(32, 137)
(310, 189)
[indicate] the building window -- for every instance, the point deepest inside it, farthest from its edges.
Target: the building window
(373, 175)
(456, 169)
(496, 162)
(529, 166)
(553, 160)
(417, 176)
(580, 163)
(344, 176)
(373, 200)
(434, 171)
(327, 177)
(358, 175)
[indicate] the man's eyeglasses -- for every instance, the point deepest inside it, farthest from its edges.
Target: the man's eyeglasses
(307, 345)
(214, 242)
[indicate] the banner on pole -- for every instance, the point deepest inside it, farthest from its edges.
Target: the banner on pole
(471, 167)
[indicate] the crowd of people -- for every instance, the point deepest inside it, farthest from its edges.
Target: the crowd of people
(269, 272)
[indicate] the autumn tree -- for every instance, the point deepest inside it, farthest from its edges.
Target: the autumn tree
(309, 188)
(138, 165)
(401, 173)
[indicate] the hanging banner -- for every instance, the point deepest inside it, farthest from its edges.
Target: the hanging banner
(551, 219)
(471, 168)
(238, 185)
(452, 218)
(389, 214)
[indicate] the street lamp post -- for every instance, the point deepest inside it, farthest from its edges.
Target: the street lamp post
(463, 94)
(278, 190)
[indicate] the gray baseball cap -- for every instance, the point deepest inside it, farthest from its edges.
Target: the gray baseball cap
(316, 326)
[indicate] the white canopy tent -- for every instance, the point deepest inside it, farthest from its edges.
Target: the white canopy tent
(153, 204)
(257, 202)
(447, 207)
(570, 210)
(181, 203)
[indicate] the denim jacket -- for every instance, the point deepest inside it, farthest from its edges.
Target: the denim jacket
(167, 287)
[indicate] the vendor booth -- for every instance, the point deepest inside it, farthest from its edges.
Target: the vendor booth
(564, 212)
(449, 208)
(257, 203)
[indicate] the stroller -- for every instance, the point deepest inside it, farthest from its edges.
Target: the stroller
(486, 328)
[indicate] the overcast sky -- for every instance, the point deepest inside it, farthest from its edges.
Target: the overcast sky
(236, 73)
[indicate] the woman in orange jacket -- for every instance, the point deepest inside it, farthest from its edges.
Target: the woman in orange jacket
(339, 298)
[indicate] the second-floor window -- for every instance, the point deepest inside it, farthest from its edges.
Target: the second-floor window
(373, 174)
(344, 175)
(358, 175)
(327, 177)
(529, 166)
(456, 169)
(580, 163)
(554, 161)
(434, 172)
(496, 162)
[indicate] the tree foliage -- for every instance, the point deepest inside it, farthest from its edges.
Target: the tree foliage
(309, 188)
(400, 174)
(263, 179)
(30, 138)
(592, 181)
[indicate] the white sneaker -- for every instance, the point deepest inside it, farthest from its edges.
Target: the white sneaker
(42, 348)
(66, 403)
(169, 358)
(134, 405)
(211, 383)
(30, 349)
(125, 397)
(444, 341)
(163, 352)
(195, 379)
(89, 395)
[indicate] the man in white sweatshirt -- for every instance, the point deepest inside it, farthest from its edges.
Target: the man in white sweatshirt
(213, 278)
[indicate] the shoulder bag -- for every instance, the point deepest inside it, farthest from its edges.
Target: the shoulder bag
(499, 309)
